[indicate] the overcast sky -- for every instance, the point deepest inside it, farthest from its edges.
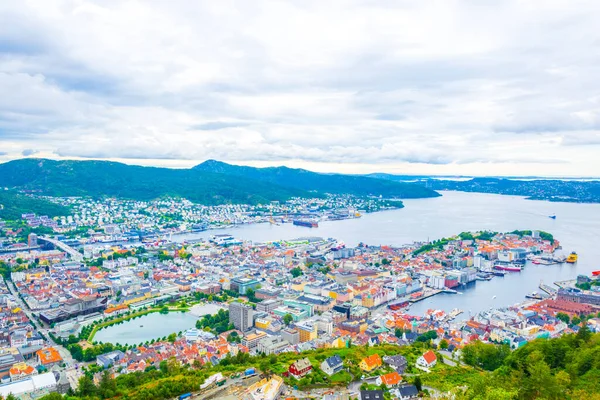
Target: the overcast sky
(484, 87)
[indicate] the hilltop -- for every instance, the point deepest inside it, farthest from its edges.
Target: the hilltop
(209, 183)
(302, 179)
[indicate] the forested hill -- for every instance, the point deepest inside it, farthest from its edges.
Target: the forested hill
(102, 178)
(203, 184)
(13, 205)
(578, 191)
(302, 179)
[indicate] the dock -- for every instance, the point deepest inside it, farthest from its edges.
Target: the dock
(425, 296)
(566, 284)
(548, 289)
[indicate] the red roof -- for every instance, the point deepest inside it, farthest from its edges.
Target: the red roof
(429, 357)
(393, 378)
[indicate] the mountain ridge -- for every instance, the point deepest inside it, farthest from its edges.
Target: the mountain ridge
(330, 183)
(212, 182)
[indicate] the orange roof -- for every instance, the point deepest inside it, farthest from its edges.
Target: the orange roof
(49, 355)
(429, 357)
(372, 360)
(28, 370)
(393, 378)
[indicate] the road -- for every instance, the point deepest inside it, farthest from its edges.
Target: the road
(448, 358)
(75, 255)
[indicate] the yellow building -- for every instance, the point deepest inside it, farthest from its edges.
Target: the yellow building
(370, 363)
(298, 287)
(338, 343)
(262, 323)
(306, 333)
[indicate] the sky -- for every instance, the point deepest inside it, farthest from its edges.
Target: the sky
(448, 87)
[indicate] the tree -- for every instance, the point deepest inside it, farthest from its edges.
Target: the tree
(287, 318)
(107, 387)
(265, 367)
(584, 333)
(418, 383)
(86, 386)
(296, 272)
(444, 344)
(563, 317)
(576, 320)
(172, 337)
(163, 366)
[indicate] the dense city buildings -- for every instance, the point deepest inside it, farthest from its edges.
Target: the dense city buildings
(274, 298)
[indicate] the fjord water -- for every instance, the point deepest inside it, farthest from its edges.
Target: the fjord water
(577, 227)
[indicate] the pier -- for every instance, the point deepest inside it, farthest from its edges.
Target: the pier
(548, 289)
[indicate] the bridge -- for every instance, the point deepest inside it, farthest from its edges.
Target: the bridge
(75, 255)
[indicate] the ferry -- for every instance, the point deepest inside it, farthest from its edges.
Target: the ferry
(534, 295)
(508, 267)
(596, 273)
(572, 259)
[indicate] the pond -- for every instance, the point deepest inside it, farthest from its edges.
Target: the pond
(146, 328)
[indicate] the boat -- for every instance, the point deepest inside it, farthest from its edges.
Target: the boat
(508, 267)
(499, 273)
(534, 295)
(572, 259)
(596, 273)
(552, 216)
(306, 223)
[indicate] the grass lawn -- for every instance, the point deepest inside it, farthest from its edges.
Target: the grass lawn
(340, 377)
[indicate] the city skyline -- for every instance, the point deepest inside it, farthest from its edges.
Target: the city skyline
(502, 89)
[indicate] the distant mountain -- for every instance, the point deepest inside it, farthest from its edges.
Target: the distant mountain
(103, 178)
(209, 183)
(302, 179)
(13, 205)
(578, 191)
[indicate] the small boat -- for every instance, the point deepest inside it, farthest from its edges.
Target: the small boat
(596, 273)
(572, 259)
(493, 297)
(141, 326)
(552, 216)
(533, 295)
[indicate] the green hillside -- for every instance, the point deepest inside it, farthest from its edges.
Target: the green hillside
(325, 183)
(552, 369)
(209, 183)
(13, 205)
(102, 178)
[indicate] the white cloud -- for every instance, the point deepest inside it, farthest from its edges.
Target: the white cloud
(494, 87)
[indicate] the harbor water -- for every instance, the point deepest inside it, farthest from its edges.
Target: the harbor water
(577, 227)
